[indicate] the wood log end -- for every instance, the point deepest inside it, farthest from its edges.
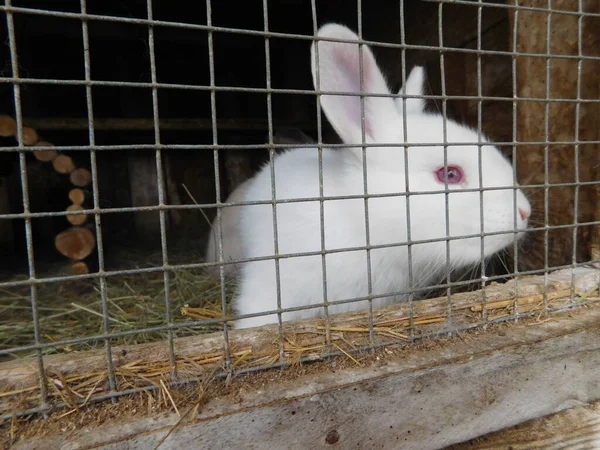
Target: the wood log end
(75, 243)
(63, 164)
(30, 136)
(77, 196)
(80, 268)
(81, 177)
(45, 155)
(8, 126)
(76, 219)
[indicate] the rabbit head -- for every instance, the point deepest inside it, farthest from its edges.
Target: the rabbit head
(462, 188)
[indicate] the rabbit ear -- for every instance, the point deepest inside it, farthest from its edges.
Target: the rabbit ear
(339, 71)
(414, 86)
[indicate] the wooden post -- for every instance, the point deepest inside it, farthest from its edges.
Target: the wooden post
(532, 82)
(176, 216)
(143, 182)
(6, 231)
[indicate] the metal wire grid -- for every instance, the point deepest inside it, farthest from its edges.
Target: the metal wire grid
(102, 275)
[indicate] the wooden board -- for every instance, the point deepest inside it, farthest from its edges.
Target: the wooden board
(534, 80)
(423, 394)
(577, 427)
(426, 399)
(306, 338)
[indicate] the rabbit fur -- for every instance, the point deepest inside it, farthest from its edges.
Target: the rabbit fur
(230, 216)
(381, 220)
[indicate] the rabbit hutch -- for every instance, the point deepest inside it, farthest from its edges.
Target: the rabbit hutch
(125, 127)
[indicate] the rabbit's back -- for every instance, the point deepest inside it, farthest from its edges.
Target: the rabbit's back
(299, 224)
(299, 231)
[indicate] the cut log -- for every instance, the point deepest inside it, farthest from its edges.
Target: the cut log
(80, 268)
(76, 219)
(77, 196)
(75, 243)
(63, 164)
(81, 177)
(30, 136)
(45, 155)
(8, 126)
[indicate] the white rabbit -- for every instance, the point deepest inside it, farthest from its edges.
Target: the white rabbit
(299, 223)
(230, 216)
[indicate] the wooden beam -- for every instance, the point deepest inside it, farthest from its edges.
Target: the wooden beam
(310, 339)
(428, 397)
(577, 427)
(147, 124)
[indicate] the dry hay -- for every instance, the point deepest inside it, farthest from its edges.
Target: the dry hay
(76, 378)
(189, 400)
(73, 309)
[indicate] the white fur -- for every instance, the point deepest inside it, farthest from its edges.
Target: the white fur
(230, 217)
(298, 224)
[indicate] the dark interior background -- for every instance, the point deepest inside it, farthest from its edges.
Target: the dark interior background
(51, 48)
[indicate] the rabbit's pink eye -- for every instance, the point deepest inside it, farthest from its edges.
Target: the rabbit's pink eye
(454, 173)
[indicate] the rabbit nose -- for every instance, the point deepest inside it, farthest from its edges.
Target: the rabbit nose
(524, 213)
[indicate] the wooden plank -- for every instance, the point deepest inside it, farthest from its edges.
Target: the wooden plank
(6, 230)
(308, 338)
(427, 398)
(577, 427)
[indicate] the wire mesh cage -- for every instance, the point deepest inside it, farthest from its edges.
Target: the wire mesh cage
(383, 173)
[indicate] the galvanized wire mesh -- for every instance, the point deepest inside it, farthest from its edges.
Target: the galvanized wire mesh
(17, 80)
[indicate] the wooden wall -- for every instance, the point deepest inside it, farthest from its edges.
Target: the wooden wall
(567, 122)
